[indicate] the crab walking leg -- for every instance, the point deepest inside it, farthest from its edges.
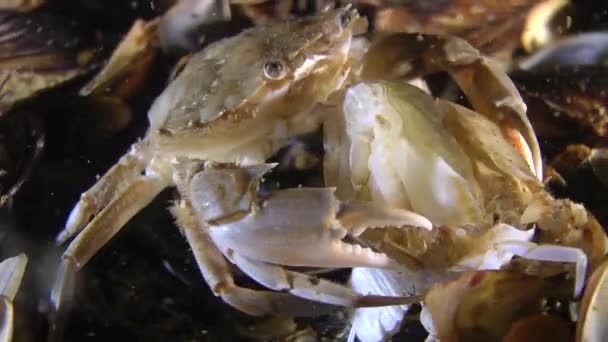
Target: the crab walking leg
(124, 173)
(313, 288)
(492, 93)
(554, 253)
(217, 274)
(103, 227)
(11, 273)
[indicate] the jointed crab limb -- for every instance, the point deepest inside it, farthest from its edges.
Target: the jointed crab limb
(554, 253)
(63, 289)
(120, 176)
(302, 227)
(11, 273)
(293, 227)
(357, 216)
(133, 198)
(114, 216)
(493, 94)
(217, 274)
(312, 288)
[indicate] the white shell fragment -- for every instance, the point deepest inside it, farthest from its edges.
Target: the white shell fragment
(593, 313)
(11, 273)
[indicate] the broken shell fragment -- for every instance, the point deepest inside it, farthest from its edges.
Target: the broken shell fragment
(181, 26)
(125, 71)
(577, 50)
(11, 273)
(593, 312)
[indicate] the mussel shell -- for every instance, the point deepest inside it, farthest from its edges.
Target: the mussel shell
(39, 51)
(576, 95)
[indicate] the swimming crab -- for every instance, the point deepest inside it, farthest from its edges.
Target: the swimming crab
(230, 108)
(397, 146)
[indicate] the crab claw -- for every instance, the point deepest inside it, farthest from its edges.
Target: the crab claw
(357, 216)
(304, 227)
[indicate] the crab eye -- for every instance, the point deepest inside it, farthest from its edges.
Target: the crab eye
(344, 19)
(275, 70)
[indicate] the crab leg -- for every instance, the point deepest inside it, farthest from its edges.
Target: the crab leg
(132, 199)
(313, 288)
(217, 274)
(120, 176)
(493, 94)
(281, 229)
(11, 273)
(554, 253)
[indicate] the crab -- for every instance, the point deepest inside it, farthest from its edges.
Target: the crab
(230, 108)
(233, 105)
(11, 273)
(481, 188)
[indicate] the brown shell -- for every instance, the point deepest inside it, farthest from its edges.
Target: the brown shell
(37, 52)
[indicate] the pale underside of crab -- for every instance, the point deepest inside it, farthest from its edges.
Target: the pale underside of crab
(397, 146)
(11, 273)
